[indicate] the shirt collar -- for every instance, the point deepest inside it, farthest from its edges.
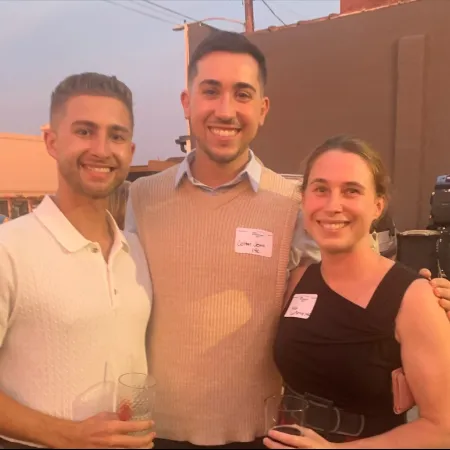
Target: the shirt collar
(252, 170)
(65, 233)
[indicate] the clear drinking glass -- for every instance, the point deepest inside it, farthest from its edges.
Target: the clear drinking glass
(135, 396)
(284, 411)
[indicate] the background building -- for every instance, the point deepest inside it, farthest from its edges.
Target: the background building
(27, 173)
(379, 70)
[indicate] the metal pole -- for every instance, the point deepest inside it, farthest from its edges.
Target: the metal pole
(186, 59)
(249, 18)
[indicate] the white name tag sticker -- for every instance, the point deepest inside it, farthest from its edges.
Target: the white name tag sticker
(254, 242)
(301, 306)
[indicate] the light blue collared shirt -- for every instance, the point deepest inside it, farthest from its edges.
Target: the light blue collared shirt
(252, 170)
(303, 248)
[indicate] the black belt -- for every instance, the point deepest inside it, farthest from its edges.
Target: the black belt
(325, 418)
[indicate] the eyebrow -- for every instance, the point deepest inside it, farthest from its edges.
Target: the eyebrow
(238, 85)
(91, 124)
(347, 183)
(355, 184)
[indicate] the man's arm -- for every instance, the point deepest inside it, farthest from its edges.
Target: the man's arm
(304, 250)
(130, 221)
(294, 278)
(17, 421)
(104, 430)
(24, 424)
(21, 423)
(441, 289)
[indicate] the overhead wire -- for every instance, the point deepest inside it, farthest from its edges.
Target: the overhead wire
(165, 8)
(129, 8)
(273, 12)
(288, 9)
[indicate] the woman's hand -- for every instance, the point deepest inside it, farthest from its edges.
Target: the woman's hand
(309, 439)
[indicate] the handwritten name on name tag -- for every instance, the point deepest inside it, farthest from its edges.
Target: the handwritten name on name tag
(301, 306)
(254, 242)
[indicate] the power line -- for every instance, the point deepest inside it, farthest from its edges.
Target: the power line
(290, 10)
(184, 16)
(272, 11)
(139, 12)
(148, 7)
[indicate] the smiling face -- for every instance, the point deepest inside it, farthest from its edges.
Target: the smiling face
(340, 201)
(91, 143)
(225, 105)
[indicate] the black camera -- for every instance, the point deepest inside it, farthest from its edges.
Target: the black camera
(440, 221)
(430, 248)
(440, 203)
(182, 142)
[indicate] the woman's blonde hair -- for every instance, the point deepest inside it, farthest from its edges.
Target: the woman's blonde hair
(117, 203)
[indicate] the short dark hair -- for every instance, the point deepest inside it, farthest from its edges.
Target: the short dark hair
(90, 83)
(227, 41)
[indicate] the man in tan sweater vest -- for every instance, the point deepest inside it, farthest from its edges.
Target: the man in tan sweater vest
(221, 233)
(218, 233)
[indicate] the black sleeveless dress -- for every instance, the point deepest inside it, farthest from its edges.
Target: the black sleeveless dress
(343, 352)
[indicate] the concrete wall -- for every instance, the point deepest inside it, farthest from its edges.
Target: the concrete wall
(25, 166)
(383, 75)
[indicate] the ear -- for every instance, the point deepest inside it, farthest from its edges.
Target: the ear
(50, 143)
(186, 103)
(301, 199)
(380, 204)
(133, 148)
(265, 106)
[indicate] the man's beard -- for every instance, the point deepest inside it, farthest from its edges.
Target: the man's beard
(74, 181)
(98, 194)
(224, 159)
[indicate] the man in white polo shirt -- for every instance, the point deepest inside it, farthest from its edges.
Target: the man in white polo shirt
(74, 292)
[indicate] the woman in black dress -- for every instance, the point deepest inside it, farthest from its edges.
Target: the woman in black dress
(356, 317)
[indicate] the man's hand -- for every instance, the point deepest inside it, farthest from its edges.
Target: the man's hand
(105, 430)
(441, 289)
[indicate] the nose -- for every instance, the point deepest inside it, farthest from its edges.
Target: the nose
(101, 145)
(334, 203)
(225, 109)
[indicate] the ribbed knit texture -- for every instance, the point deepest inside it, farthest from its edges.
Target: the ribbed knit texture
(65, 315)
(215, 311)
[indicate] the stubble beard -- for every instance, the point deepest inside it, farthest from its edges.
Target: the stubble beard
(223, 159)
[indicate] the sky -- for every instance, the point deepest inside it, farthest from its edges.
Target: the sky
(43, 41)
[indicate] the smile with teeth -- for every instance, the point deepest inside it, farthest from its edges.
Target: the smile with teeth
(333, 226)
(224, 132)
(98, 169)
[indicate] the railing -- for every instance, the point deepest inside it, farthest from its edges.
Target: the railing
(14, 207)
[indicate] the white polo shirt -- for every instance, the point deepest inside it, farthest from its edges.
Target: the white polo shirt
(65, 313)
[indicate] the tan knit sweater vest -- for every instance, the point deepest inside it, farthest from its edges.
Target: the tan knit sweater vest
(215, 311)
